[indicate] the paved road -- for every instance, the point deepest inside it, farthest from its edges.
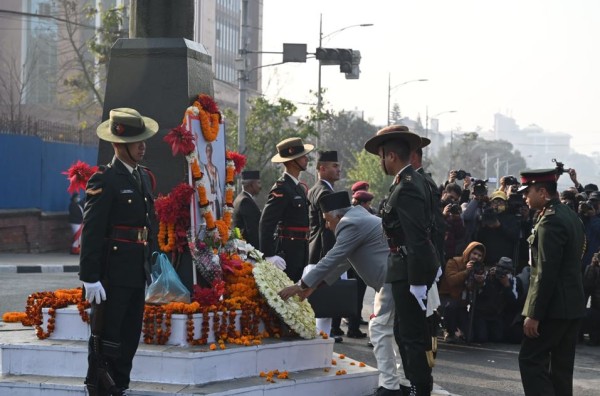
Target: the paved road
(486, 370)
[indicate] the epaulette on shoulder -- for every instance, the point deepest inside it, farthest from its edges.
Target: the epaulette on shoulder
(550, 211)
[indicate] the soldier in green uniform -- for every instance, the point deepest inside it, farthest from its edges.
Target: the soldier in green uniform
(284, 221)
(119, 232)
(555, 301)
(408, 219)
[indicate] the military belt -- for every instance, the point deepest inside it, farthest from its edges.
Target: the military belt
(130, 234)
(300, 233)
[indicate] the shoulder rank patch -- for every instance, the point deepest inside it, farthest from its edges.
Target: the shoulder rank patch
(549, 211)
(92, 191)
(407, 178)
(277, 195)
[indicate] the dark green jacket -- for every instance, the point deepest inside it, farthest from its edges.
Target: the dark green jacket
(408, 219)
(556, 285)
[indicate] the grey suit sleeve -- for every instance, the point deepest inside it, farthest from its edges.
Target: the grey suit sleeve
(335, 262)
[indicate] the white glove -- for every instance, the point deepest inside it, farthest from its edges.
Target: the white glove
(420, 293)
(438, 275)
(277, 261)
(94, 292)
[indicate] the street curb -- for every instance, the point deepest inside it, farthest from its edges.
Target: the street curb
(37, 269)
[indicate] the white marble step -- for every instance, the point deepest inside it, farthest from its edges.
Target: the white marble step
(357, 381)
(169, 364)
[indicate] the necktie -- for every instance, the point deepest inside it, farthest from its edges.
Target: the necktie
(136, 176)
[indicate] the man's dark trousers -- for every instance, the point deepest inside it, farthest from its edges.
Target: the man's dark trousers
(546, 362)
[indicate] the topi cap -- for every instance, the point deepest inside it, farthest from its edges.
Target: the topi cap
(333, 201)
(393, 132)
(327, 156)
(290, 149)
(498, 195)
(359, 185)
(251, 175)
(531, 177)
(126, 125)
(362, 196)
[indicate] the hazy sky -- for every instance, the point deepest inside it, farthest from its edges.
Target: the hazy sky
(535, 60)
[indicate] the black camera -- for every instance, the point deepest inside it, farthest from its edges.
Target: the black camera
(455, 209)
(560, 167)
(515, 202)
(510, 181)
(501, 272)
(461, 174)
(489, 217)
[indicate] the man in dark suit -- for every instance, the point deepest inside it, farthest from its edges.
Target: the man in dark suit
(246, 214)
(118, 235)
(555, 301)
(413, 265)
(284, 221)
(321, 239)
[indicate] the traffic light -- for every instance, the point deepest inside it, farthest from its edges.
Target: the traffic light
(345, 60)
(355, 73)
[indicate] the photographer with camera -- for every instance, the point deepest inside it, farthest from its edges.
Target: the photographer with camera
(591, 286)
(462, 273)
(508, 184)
(498, 291)
(591, 223)
(463, 176)
(455, 229)
(472, 214)
(499, 229)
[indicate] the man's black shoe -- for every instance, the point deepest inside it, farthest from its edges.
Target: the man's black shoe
(336, 332)
(355, 334)
(363, 322)
(381, 391)
(338, 339)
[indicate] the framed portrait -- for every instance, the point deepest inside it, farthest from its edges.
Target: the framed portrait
(211, 158)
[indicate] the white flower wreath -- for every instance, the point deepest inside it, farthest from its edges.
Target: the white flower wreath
(297, 314)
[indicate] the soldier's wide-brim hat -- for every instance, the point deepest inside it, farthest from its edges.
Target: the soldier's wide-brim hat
(290, 149)
(126, 125)
(531, 177)
(425, 142)
(393, 132)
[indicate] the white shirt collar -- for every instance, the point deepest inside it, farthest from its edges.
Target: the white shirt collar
(293, 178)
(329, 184)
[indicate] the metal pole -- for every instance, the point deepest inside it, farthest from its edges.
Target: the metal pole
(242, 80)
(389, 97)
(319, 99)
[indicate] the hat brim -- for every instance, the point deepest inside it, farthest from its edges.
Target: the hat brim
(425, 142)
(104, 133)
(372, 145)
(523, 188)
(307, 149)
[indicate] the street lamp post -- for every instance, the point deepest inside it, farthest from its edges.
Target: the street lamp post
(433, 118)
(390, 89)
(321, 37)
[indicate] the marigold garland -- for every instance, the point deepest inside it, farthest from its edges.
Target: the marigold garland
(166, 233)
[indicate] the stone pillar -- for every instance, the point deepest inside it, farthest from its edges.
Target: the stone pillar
(158, 72)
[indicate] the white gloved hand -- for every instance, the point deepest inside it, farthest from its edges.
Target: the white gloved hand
(420, 293)
(277, 261)
(438, 275)
(94, 292)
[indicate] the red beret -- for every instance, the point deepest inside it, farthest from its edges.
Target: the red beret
(360, 185)
(362, 196)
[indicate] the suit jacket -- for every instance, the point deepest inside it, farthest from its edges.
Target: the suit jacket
(556, 286)
(360, 243)
(439, 231)
(407, 218)
(113, 198)
(287, 205)
(321, 239)
(246, 216)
